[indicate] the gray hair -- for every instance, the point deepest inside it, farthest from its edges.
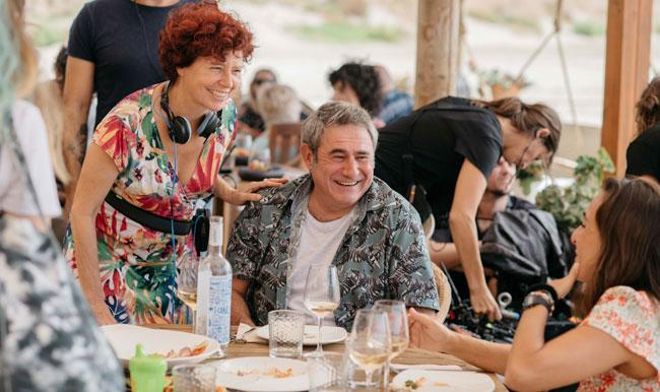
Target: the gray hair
(333, 114)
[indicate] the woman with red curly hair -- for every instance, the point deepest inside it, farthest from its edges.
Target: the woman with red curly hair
(153, 157)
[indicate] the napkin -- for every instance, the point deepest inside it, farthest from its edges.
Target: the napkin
(399, 367)
(247, 334)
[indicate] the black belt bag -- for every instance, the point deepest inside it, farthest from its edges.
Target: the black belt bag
(148, 219)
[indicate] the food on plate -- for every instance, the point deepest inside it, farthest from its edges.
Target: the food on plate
(258, 165)
(170, 388)
(420, 382)
(414, 384)
(188, 351)
(271, 372)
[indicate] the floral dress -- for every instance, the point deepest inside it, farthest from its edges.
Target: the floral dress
(633, 320)
(137, 264)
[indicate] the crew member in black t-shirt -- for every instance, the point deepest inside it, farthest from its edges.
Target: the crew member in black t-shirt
(643, 154)
(441, 155)
(113, 51)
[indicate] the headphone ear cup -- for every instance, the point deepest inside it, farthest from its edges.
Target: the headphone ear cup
(210, 123)
(180, 130)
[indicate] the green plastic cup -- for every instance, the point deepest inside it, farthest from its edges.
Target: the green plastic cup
(147, 371)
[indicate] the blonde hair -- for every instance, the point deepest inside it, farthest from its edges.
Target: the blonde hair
(24, 77)
(48, 98)
(279, 104)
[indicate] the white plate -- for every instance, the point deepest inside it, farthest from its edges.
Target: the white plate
(441, 380)
(328, 334)
(123, 338)
(255, 374)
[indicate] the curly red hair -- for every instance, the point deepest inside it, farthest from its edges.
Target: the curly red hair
(201, 29)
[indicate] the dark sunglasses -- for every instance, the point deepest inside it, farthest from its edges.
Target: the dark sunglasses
(259, 82)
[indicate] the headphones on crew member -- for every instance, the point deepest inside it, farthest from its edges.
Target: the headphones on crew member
(179, 128)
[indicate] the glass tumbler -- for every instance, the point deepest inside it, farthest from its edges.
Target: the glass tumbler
(327, 371)
(286, 330)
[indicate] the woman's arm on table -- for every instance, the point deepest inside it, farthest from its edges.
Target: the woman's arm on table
(429, 334)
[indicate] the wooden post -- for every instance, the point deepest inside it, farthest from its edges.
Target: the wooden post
(437, 49)
(627, 61)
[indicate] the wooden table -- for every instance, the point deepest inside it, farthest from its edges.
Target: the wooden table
(409, 357)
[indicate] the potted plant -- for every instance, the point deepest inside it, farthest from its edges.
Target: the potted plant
(567, 204)
(502, 84)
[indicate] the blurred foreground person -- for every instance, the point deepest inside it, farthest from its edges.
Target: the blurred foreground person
(49, 340)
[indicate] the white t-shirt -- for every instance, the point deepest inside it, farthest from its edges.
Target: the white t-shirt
(319, 242)
(15, 195)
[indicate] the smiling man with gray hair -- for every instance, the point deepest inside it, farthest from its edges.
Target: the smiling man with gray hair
(338, 214)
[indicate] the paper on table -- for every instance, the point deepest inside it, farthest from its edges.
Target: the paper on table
(247, 333)
(401, 367)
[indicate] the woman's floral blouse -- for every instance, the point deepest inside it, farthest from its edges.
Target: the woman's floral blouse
(138, 272)
(633, 319)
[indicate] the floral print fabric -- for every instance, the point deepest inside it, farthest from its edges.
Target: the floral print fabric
(633, 319)
(138, 275)
(49, 340)
(382, 256)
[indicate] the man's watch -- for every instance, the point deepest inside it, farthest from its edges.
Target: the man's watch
(540, 297)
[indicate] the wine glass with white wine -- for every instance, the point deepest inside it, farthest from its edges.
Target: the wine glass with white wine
(321, 293)
(369, 344)
(398, 321)
(187, 282)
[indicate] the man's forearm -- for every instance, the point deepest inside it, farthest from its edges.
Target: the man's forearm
(74, 140)
(239, 310)
(74, 144)
(445, 253)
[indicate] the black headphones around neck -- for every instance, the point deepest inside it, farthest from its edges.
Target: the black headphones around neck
(179, 128)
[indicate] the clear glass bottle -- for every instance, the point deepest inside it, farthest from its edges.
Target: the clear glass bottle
(214, 289)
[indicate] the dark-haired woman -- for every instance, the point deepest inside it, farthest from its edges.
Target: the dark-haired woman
(441, 155)
(617, 346)
(144, 156)
(643, 154)
(358, 84)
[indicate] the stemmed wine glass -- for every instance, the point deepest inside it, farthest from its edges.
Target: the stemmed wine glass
(321, 293)
(398, 322)
(369, 344)
(186, 280)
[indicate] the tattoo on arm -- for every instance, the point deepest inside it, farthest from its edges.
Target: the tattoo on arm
(83, 142)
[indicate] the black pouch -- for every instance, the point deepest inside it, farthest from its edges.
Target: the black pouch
(200, 230)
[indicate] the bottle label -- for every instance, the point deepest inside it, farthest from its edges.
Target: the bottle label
(219, 316)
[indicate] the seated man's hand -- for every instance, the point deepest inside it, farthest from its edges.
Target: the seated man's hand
(564, 285)
(428, 333)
